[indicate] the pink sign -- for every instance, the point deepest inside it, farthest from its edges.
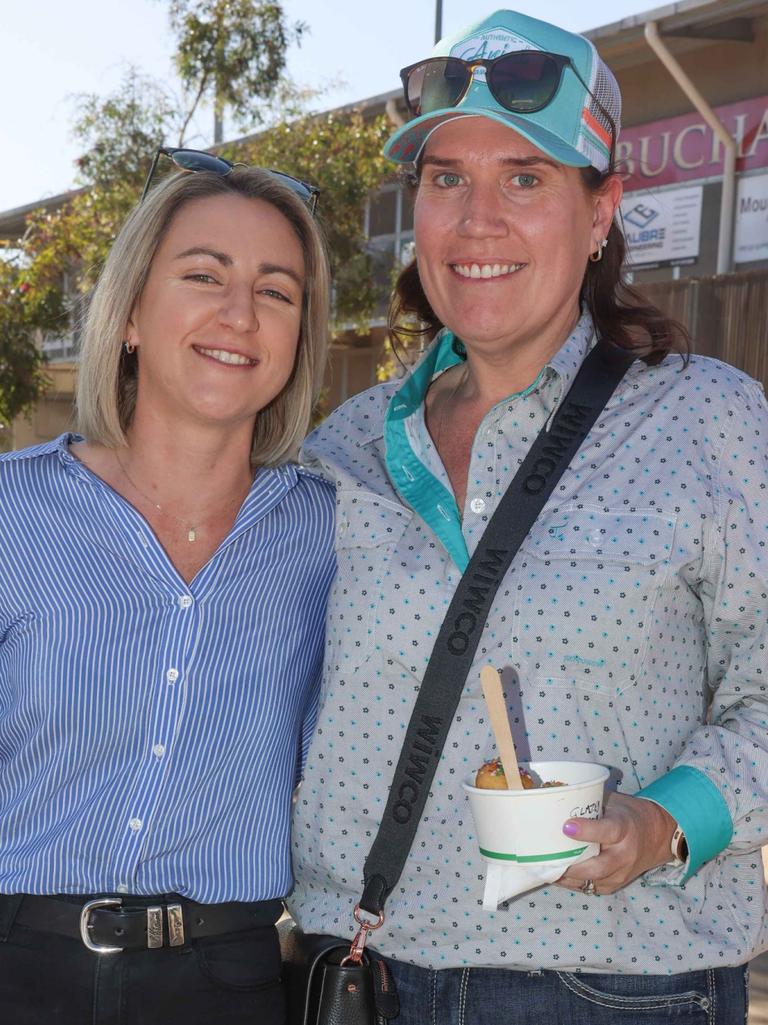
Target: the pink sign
(681, 149)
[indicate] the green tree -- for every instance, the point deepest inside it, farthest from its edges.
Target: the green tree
(120, 132)
(342, 155)
(232, 52)
(63, 251)
(21, 371)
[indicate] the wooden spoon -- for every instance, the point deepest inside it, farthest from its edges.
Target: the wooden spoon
(497, 712)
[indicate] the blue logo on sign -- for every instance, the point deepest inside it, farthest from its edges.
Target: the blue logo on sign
(641, 216)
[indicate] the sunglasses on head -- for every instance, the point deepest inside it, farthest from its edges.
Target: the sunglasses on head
(522, 82)
(199, 160)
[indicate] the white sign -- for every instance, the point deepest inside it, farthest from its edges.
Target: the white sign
(662, 227)
(751, 236)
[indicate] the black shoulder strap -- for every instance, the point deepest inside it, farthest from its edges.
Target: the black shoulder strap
(455, 647)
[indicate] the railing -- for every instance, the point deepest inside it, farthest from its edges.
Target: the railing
(727, 316)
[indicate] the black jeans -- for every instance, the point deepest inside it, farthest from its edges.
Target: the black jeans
(47, 979)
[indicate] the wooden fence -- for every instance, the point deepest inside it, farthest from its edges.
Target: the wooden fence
(727, 316)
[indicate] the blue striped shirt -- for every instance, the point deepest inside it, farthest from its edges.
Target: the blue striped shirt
(152, 731)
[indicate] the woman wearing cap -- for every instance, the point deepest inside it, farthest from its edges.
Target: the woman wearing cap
(631, 627)
(162, 593)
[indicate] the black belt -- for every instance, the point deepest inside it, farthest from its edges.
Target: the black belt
(113, 923)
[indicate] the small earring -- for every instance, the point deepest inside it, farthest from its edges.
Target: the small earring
(130, 349)
(597, 256)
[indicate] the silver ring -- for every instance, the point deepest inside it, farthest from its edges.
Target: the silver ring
(588, 887)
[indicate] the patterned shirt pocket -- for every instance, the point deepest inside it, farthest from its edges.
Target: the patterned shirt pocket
(586, 585)
(368, 527)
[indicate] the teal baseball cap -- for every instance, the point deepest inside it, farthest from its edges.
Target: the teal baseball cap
(577, 126)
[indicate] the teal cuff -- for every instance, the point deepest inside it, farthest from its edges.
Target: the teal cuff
(698, 807)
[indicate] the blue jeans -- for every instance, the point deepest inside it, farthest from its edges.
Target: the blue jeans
(500, 996)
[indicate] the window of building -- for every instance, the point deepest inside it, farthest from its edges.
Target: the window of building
(389, 227)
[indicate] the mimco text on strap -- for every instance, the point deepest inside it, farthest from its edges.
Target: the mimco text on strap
(460, 633)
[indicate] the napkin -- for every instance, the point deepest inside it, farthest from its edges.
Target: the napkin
(504, 880)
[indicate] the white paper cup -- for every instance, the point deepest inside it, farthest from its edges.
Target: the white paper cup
(526, 826)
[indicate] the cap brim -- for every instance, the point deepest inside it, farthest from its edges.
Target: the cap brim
(405, 145)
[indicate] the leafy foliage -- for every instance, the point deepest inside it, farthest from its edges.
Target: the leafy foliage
(63, 250)
(233, 51)
(21, 371)
(69, 245)
(120, 132)
(236, 47)
(342, 155)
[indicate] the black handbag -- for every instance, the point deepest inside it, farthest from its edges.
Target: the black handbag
(320, 989)
(328, 981)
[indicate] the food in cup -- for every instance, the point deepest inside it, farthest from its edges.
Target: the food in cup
(519, 833)
(490, 776)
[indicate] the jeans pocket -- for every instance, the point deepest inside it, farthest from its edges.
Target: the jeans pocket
(246, 961)
(685, 998)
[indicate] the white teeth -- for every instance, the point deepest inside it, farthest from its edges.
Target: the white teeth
(234, 358)
(488, 270)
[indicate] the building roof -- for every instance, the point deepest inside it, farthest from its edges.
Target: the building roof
(685, 25)
(13, 222)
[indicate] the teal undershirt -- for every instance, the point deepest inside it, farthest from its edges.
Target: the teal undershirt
(414, 482)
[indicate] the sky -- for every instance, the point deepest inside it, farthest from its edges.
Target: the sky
(51, 52)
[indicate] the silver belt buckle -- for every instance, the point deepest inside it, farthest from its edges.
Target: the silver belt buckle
(85, 914)
(175, 925)
(154, 928)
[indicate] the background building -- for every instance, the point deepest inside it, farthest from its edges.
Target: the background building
(693, 75)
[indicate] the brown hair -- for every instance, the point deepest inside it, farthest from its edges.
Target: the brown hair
(621, 314)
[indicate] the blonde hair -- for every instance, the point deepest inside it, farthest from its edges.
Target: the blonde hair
(107, 381)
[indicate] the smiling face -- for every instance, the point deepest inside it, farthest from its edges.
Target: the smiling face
(217, 324)
(503, 234)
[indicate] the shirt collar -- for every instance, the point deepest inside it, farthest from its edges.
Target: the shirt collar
(568, 359)
(269, 485)
(446, 351)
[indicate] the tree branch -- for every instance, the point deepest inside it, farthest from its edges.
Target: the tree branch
(193, 108)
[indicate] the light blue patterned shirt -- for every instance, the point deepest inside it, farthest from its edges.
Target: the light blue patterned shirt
(151, 730)
(630, 630)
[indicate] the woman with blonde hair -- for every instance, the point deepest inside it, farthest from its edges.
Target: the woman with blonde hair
(161, 619)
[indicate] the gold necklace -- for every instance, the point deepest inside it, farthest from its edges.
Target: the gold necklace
(448, 403)
(191, 531)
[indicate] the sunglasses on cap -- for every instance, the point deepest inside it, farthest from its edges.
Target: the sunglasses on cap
(199, 160)
(521, 82)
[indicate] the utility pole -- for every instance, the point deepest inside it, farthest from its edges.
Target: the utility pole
(438, 20)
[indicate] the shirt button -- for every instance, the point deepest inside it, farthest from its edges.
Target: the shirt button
(158, 750)
(122, 888)
(185, 601)
(172, 675)
(135, 825)
(477, 505)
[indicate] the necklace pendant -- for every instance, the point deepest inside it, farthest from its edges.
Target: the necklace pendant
(192, 535)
